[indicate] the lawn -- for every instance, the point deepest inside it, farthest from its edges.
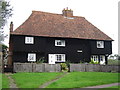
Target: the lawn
(5, 81)
(70, 80)
(115, 87)
(33, 80)
(111, 88)
(0, 81)
(84, 79)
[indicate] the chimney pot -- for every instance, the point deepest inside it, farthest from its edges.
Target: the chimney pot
(67, 12)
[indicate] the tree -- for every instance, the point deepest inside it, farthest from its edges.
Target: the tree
(5, 13)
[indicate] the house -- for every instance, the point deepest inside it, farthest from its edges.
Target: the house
(58, 38)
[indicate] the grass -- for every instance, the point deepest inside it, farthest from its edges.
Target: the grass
(111, 88)
(113, 62)
(33, 80)
(84, 79)
(115, 87)
(5, 81)
(0, 81)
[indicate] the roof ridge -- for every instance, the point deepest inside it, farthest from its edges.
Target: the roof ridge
(34, 11)
(45, 12)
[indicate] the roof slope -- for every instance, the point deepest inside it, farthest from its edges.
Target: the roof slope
(56, 25)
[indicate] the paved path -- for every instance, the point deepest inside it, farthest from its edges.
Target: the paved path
(54, 80)
(104, 86)
(11, 81)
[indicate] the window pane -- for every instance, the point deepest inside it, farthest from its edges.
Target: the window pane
(29, 40)
(100, 44)
(60, 57)
(31, 57)
(94, 58)
(59, 42)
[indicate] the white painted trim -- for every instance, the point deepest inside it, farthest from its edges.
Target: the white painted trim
(51, 58)
(100, 44)
(31, 57)
(63, 58)
(61, 41)
(102, 59)
(29, 40)
(94, 58)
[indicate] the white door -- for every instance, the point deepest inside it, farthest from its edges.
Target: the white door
(51, 58)
(102, 59)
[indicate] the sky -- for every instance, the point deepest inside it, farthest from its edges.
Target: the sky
(101, 13)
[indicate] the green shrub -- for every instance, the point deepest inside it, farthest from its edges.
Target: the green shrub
(41, 60)
(68, 63)
(64, 67)
(93, 62)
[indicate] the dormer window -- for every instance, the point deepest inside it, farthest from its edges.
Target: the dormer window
(59, 42)
(29, 40)
(100, 44)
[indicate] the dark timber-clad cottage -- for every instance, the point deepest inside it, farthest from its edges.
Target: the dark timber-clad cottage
(58, 38)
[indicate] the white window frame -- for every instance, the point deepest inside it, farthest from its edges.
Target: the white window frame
(100, 44)
(59, 56)
(31, 57)
(95, 58)
(60, 43)
(29, 40)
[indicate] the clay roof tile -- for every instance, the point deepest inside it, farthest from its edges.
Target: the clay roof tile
(56, 25)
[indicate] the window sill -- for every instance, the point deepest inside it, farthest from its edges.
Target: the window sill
(59, 61)
(59, 46)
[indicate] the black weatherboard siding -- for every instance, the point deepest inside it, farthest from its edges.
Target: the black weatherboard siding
(101, 51)
(76, 50)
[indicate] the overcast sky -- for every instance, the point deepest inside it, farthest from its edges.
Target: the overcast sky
(101, 13)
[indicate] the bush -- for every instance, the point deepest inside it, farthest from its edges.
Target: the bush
(41, 60)
(93, 62)
(64, 67)
(68, 63)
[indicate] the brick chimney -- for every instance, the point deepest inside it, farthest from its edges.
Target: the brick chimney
(11, 27)
(67, 12)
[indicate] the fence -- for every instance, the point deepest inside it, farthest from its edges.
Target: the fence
(44, 67)
(94, 68)
(33, 67)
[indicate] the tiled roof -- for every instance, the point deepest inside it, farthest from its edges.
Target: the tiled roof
(56, 25)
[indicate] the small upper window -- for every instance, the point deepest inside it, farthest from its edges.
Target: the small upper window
(59, 42)
(100, 44)
(29, 40)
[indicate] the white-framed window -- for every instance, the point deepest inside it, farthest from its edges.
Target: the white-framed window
(59, 42)
(31, 57)
(60, 57)
(29, 40)
(100, 44)
(94, 58)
